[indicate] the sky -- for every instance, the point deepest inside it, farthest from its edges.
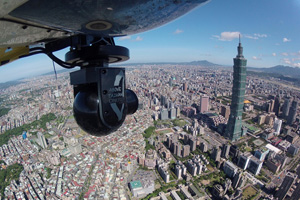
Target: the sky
(269, 29)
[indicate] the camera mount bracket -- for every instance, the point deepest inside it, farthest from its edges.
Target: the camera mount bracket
(101, 100)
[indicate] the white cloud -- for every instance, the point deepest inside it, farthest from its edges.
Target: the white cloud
(273, 54)
(251, 37)
(138, 38)
(227, 36)
(286, 40)
(296, 64)
(256, 58)
(125, 38)
(287, 61)
(284, 54)
(255, 36)
(260, 35)
(178, 31)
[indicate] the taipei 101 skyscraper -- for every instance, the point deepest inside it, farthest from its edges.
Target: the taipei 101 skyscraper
(234, 126)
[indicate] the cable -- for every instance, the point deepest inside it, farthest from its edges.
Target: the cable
(59, 61)
(54, 69)
(38, 50)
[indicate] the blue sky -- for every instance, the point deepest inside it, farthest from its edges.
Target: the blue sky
(270, 32)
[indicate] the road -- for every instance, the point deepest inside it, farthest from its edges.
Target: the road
(87, 182)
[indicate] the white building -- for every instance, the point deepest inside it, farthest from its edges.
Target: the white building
(277, 126)
(41, 140)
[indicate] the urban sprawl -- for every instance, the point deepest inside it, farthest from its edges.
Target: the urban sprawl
(199, 133)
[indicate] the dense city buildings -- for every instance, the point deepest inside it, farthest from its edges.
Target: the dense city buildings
(171, 143)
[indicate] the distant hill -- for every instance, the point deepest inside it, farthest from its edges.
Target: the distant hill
(203, 63)
(9, 83)
(293, 72)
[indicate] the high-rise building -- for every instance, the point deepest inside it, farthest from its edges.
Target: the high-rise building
(261, 153)
(186, 150)
(277, 126)
(272, 103)
(269, 105)
(204, 104)
(234, 125)
(255, 165)
(203, 147)
(186, 138)
(164, 114)
(296, 193)
(200, 130)
(225, 151)
(286, 107)
(164, 172)
(184, 87)
(216, 154)
(193, 143)
(178, 171)
(242, 181)
(170, 81)
(178, 111)
(172, 113)
(234, 151)
(277, 106)
(292, 113)
(227, 184)
(218, 191)
(192, 167)
(237, 179)
(244, 160)
(142, 159)
(285, 186)
(163, 100)
(195, 123)
(177, 149)
(41, 140)
(225, 111)
(230, 169)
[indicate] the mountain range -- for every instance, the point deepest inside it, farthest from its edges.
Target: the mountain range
(203, 63)
(293, 72)
(279, 70)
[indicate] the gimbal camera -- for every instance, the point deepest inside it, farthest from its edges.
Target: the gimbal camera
(101, 99)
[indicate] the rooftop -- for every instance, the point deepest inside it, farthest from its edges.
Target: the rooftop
(136, 184)
(272, 148)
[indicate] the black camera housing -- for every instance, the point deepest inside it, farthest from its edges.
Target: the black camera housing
(101, 99)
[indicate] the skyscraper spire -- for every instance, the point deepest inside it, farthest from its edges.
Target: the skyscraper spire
(240, 49)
